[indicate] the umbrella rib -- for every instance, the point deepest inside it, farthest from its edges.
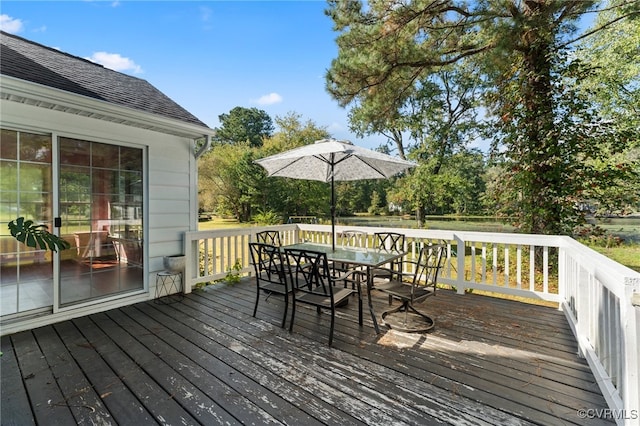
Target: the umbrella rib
(377, 169)
(275, 172)
(327, 161)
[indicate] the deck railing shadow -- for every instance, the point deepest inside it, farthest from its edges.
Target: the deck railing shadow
(595, 293)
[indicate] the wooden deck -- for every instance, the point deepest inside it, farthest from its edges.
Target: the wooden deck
(207, 361)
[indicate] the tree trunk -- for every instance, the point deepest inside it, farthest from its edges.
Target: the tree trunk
(540, 150)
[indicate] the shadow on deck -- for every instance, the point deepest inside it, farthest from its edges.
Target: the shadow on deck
(206, 360)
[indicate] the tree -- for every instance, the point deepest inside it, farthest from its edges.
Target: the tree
(376, 203)
(611, 82)
(457, 187)
(227, 177)
(390, 50)
(241, 125)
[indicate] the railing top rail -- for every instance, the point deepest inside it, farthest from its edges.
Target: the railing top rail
(617, 277)
(228, 232)
(488, 237)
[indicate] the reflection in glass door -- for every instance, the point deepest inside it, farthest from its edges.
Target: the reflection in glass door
(101, 204)
(26, 274)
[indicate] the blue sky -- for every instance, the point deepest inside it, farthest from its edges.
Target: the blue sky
(208, 56)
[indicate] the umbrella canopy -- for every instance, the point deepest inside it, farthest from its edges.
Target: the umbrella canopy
(329, 160)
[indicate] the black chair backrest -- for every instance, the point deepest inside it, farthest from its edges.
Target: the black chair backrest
(390, 241)
(269, 237)
(309, 271)
(428, 265)
(268, 263)
(353, 239)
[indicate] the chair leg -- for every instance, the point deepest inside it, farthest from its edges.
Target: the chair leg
(255, 307)
(333, 316)
(286, 305)
(426, 324)
(293, 313)
(359, 288)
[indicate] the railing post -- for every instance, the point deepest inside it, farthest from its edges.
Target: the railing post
(191, 264)
(562, 275)
(461, 253)
(631, 363)
(585, 288)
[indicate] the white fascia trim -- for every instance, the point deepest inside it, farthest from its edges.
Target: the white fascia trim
(17, 90)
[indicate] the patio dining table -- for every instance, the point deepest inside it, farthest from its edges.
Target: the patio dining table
(369, 258)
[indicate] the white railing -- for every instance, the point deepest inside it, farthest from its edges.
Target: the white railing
(598, 299)
(594, 292)
(212, 254)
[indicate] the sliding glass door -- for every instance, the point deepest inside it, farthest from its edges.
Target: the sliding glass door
(101, 205)
(99, 194)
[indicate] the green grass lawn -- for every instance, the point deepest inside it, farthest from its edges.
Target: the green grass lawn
(220, 223)
(626, 254)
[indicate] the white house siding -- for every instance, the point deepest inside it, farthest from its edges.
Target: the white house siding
(171, 196)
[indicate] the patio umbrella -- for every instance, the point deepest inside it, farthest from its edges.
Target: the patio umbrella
(330, 160)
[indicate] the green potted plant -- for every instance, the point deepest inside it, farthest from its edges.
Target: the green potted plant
(36, 236)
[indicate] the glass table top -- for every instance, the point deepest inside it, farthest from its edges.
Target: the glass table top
(354, 255)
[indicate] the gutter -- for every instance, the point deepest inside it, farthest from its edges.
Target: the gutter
(204, 148)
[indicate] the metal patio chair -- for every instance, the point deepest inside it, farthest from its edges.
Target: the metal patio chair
(392, 242)
(314, 284)
(412, 288)
(350, 239)
(271, 274)
(269, 237)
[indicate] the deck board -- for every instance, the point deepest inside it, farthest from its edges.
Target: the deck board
(15, 403)
(119, 402)
(206, 360)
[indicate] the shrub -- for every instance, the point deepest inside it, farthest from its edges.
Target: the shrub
(268, 217)
(594, 235)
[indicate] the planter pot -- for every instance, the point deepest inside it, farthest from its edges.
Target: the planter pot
(174, 263)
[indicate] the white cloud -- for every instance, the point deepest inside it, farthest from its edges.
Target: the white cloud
(115, 62)
(10, 25)
(205, 14)
(270, 99)
(205, 17)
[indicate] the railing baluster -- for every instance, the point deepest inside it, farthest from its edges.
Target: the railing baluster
(207, 257)
(506, 265)
(495, 264)
(519, 266)
(545, 269)
(532, 267)
(473, 264)
(484, 263)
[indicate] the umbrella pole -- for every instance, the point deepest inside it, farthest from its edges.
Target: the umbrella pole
(333, 214)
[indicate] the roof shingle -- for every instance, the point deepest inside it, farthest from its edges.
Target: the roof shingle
(30, 61)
